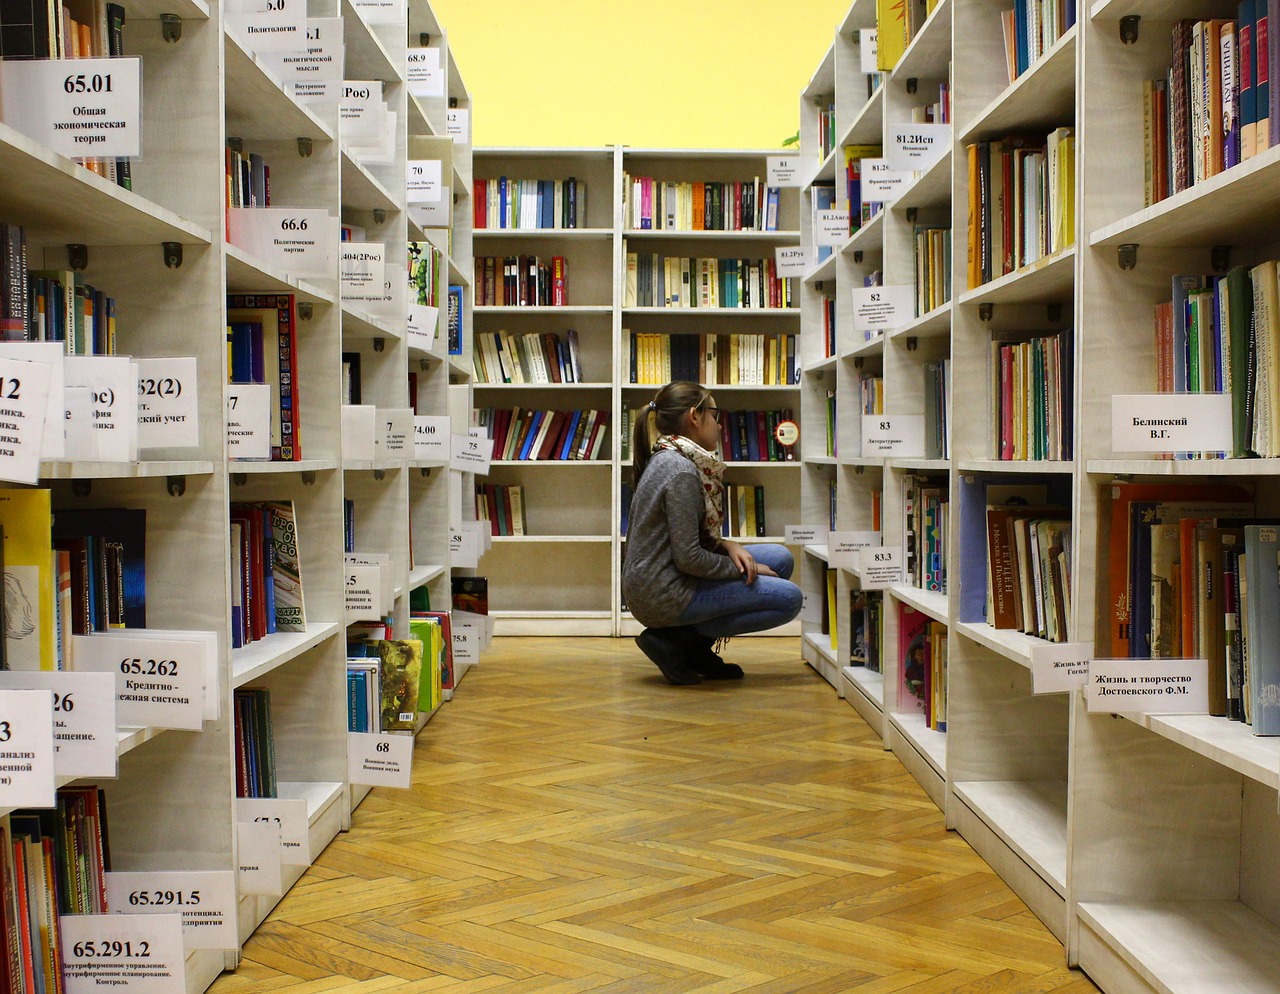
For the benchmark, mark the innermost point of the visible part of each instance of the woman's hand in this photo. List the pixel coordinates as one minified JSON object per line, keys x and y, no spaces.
{"x":745,"y":562}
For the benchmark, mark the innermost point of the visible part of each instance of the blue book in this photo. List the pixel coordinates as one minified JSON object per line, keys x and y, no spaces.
{"x":1021,"y":50}
{"x":575,"y":418}
{"x":503,"y":204}
{"x":1247,"y":70}
{"x":534,"y":424}
{"x":1262,"y":569}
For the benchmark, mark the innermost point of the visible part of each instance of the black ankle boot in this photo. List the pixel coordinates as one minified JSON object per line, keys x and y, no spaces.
{"x":704,"y":660}
{"x":668,"y":651}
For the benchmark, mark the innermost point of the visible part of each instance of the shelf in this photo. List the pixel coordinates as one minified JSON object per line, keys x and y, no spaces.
{"x":867,"y":462}
{"x":551,"y":539}
{"x":568,"y":234}
{"x":820,"y":460}
{"x":1228,"y":743}
{"x":420,"y":576}
{"x":931,"y":189}
{"x":706,"y":312}
{"x":372,"y":465}
{"x":259,"y":658}
{"x":357,"y":324}
{"x":481,"y":385}
{"x":364,"y":54}
{"x":428,"y":464}
{"x":873,"y":346}
{"x":933,"y":324}
{"x":267,"y":468}
{"x":1034,"y":467}
{"x":141,"y":470}
{"x":825,"y":270}
{"x":363,"y":191}
{"x":817,"y":551}
{"x":1197,"y":947}
{"x":1007,"y":642}
{"x":773,"y":237}
{"x":1156,"y":10}
{"x":928,"y":742}
{"x":1030,"y":817}
{"x":259,"y":108}
{"x":824,"y":365}
{"x":248,"y":274}
{"x":761,"y":464}
{"x":568,"y":309}
{"x":826,"y":171}
{"x":150,"y":10}
{"x":919,"y":465}
{"x":1042,"y":97}
{"x":567,"y":463}
{"x":60,"y":201}
{"x":867,"y":126}
{"x":929,"y":49}
{"x":815,"y":649}
{"x":1183,"y":467}
{"x":726,"y":388}
{"x":1238,"y":207}
{"x":823,"y":81}
{"x":930,"y":602}
{"x":867,"y":239}
{"x":1049,"y":279}
{"x":868,"y":683}
{"x":552,"y":623}
{"x":822,"y":643}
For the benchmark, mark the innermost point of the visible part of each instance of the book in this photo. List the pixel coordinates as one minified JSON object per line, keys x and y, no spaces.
{"x":401,"y":670}
{"x":29,"y":632}
{"x":276,"y":315}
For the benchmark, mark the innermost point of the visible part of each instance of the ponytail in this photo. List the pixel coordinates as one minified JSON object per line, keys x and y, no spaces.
{"x":662,"y":416}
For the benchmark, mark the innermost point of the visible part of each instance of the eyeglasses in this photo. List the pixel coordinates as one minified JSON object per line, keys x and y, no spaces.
{"x":715,"y":413}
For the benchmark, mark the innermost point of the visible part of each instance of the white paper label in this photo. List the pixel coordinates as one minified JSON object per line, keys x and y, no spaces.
{"x":900,"y":435}
{"x":362,"y":270}
{"x":917,"y":146}
{"x":457,"y":125}
{"x":76,"y":107}
{"x":880,"y":568}
{"x":379,"y":760}
{"x":24,"y":413}
{"x":361,"y":111}
{"x":1171,"y":422}
{"x":844,"y":549}
{"x":134,"y":952}
{"x":793,"y":260}
{"x":434,"y":215}
{"x":1148,"y":686}
{"x":423,"y":181}
{"x":290,"y":814}
{"x":159,"y":682}
{"x":464,"y":548}
{"x":26,"y":749}
{"x":426,"y":77}
{"x":102,"y":423}
{"x":805,"y":534}
{"x":299,"y":240}
{"x":424,"y":322}
{"x":471,"y":454}
{"x":168,"y":403}
{"x":208,"y":648}
{"x":248,"y":420}
{"x":387,"y":586}
{"x":882,"y":308}
{"x":811,"y":608}
{"x":466,"y":640}
{"x":867,"y":50}
{"x":831,"y":226}
{"x":882,"y":183}
{"x":431,"y":437}
{"x":363,"y":590}
{"x":396,"y":426}
{"x":50,"y":355}
{"x":84,"y":719}
{"x":205,"y":900}
{"x":315,"y":74}
{"x":380,"y":11}
{"x":269,"y":25}
{"x":783,"y":170}
{"x":258,"y":853}
{"x":1059,"y":667}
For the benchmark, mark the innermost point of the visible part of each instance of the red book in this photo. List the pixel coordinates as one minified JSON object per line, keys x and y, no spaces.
{"x":553,"y":437}
{"x":480,"y":194}
{"x":559,"y":281}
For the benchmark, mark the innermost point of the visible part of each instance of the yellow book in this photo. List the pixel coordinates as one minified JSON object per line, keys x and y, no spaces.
{"x":29,"y":636}
{"x":832,"y":613}
{"x":891,"y":33}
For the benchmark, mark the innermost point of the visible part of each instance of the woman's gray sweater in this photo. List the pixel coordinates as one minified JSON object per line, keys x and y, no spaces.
{"x":665,"y":558}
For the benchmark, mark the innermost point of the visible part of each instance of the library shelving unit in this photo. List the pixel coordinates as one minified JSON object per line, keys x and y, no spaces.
{"x":161,"y":251}
{"x":1172,"y":818}
{"x":777,"y":479}
{"x":568,"y":540}
{"x":579,"y":541}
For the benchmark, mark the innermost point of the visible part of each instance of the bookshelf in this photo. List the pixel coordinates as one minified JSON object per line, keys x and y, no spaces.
{"x":1146,"y":842}
{"x":581,"y":539}
{"x":200,"y":92}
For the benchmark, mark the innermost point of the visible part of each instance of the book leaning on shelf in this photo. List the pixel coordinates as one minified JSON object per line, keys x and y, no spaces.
{"x":529,"y":204}
{"x":932,"y":246}
{"x":53,"y":862}
{"x":266,"y":572}
{"x":650,"y":204}
{"x":255,"y":750}
{"x":1028,"y":562}
{"x":759,"y":360}
{"x":262,"y":348}
{"x":527,"y":434}
{"x":67,"y":29}
{"x":866,"y":627}
{"x":922,"y":666}
{"x":897,"y":24}
{"x":501,"y":506}
{"x":655,"y":280}
{"x":1031,"y":28}
{"x":859,"y":213}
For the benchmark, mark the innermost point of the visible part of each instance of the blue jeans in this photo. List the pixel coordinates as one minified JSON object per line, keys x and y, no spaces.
{"x":729,"y":607}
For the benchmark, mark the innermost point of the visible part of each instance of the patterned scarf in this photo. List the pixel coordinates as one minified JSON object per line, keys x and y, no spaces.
{"x":711,"y":472}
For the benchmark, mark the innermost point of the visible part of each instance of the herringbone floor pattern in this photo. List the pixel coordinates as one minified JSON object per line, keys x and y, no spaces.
{"x":577,"y":825}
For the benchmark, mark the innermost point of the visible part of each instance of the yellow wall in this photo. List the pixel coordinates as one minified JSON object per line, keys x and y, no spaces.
{"x":645,"y":73}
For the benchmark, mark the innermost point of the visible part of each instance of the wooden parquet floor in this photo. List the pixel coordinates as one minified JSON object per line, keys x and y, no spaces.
{"x":578,"y":825}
